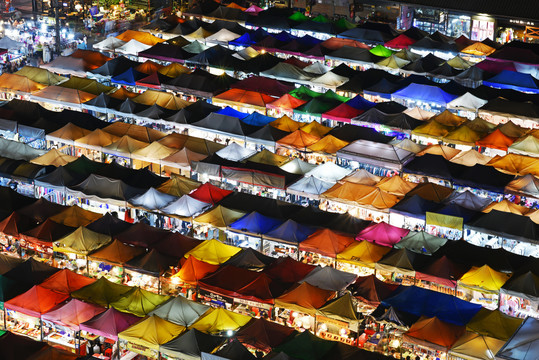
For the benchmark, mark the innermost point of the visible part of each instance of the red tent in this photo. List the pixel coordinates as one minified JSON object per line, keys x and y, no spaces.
{"x":288,"y":270}
{"x":382,"y":234}
{"x":442,"y":271}
{"x":45,"y":233}
{"x":286,"y":102}
{"x":434,"y":333}
{"x":370,"y":290}
{"x":342,"y":113}
{"x":400,"y":42}
{"x":73,"y":313}
{"x":209,"y":193}
{"x":193,"y":270}
{"x":264,"y":85}
{"x":66,"y":281}
{"x":326,"y":242}
{"x":296,"y":62}
{"x":496,"y":140}
{"x":36,"y":301}
{"x":304,"y":298}
{"x":263,"y":334}
{"x":16,"y":223}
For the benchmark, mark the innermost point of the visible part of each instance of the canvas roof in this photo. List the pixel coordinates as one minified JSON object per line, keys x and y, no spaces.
{"x":75,"y":216}
{"x":73,"y":313}
{"x":263,"y":334}
{"x":102,"y":292}
{"x":57,"y":94}
{"x":66,"y":281}
{"x":193,"y":270}
{"x":364,"y":253}
{"x":494,"y":323}
{"x":326,"y":242}
{"x":304,"y":298}
{"x":19,"y":83}
{"x":306,"y":346}
{"x":116,"y":253}
{"x":141,"y":36}
{"x":288,"y":270}
{"x":36,"y":301}
{"x":53,"y":157}
{"x":484,"y":278}
{"x":523,"y":344}
{"x":218,"y":320}
{"x":138,"y":302}
{"x":180,"y":310}
{"x":309,"y":186}
{"x":371,"y":290}
{"x":39,"y":75}
{"x":434,"y":333}
{"x":210,"y":193}
{"x":527,"y":185}
{"x":151,"y":332}
{"x":524,"y":285}
{"x":82,"y":242}
{"x":476,"y":347}
{"x":185,"y":207}
{"x":213,"y":252}
{"x":109,"y":323}
{"x":191,"y":345}
{"x":382,"y":233}
{"x":329,"y":278}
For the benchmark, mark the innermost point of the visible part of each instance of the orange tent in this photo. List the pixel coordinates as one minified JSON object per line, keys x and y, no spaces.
{"x":247,"y":97}
{"x":434,"y":333}
{"x":285,"y":123}
{"x":95,"y":58}
{"x":15,"y":223}
{"x":298,"y":139}
{"x":66,"y":281}
{"x":286,"y":102}
{"x":62,"y":95}
{"x":496,"y":140}
{"x":479,"y":49}
{"x":516,"y":164}
{"x":18,"y":83}
{"x":137,"y":132}
{"x":36,"y":301}
{"x":326,"y":242}
{"x":148,"y":67}
{"x":335,"y":43}
{"x":447,"y":118}
{"x":140,"y":36}
{"x":433,"y":129}
{"x":396,"y":185}
{"x":304,"y":298}
{"x":68,"y":132}
{"x":75,"y":216}
{"x":123,"y":94}
{"x":358,"y":194}
{"x":506,"y":206}
{"x":233,"y":5}
{"x":378,"y":199}
{"x":193,"y":270}
{"x":116,"y":253}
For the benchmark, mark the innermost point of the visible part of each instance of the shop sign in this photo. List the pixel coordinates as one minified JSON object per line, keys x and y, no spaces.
{"x":253,"y":303}
{"x":142,"y":350}
{"x":335,"y":337}
{"x":213,"y":297}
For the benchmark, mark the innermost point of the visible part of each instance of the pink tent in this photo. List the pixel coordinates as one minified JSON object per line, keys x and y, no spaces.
{"x":73,"y":313}
{"x":109,"y":323}
{"x":253,"y":10}
{"x":382,"y":234}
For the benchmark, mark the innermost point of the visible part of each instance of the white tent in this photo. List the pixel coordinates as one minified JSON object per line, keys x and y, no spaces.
{"x":329,"y":172}
{"x":297,"y":166}
{"x":133,"y":47}
{"x":363,"y":177}
{"x":408,"y":145}
{"x":467,"y":102}
{"x":329,"y":80}
{"x":235,"y":152}
{"x":109,"y":44}
{"x":419,"y":114}
{"x":310,"y":187}
{"x":328,"y":278}
{"x":152,"y":199}
{"x":317,"y":68}
{"x":222,"y":36}
{"x":186,"y":206}
{"x":18,"y":151}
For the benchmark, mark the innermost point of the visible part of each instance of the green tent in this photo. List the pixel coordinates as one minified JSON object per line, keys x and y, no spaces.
{"x":342,"y":308}
{"x":420,"y":242}
{"x":306,"y":346}
{"x":304,"y":93}
{"x":81,"y":242}
{"x":84,"y":166}
{"x":298,"y":16}
{"x":138,"y":302}
{"x":321,"y":19}
{"x":332,"y":95}
{"x":380,"y":50}
{"x":342,"y":24}
{"x":317,"y":107}
{"x":102,"y":292}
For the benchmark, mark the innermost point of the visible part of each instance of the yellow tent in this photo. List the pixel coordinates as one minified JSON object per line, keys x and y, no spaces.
{"x":470,"y":158}
{"x":447,"y":118}
{"x":96,"y":140}
{"x":125,"y":146}
{"x":69,"y":132}
{"x":494,"y":323}
{"x":463,"y":135}
{"x":178,"y":186}
{"x":267,"y":157}
{"x":63,"y":96}
{"x":472,"y":346}
{"x":396,"y":185}
{"x":515,"y":164}
{"x":528,"y":145}
{"x":81,"y":242}
{"x":347,"y":192}
{"x":219,"y":217}
{"x":75,"y":216}
{"x":122,"y":94}
{"x":146,"y":336}
{"x":432,"y":129}
{"x":39,"y":75}
{"x":153,"y":152}
{"x":213,"y":252}
{"x":315,"y":128}
{"x":479,"y":49}
{"x":163,"y":99}
{"x":378,"y":199}
{"x":506,"y":206}
{"x":393,"y":62}
{"x":89,"y":85}
{"x":459,"y":63}
{"x":446,"y":151}
{"x":483,"y":278}
{"x":13,"y":83}
{"x":139,"y":302}
{"x":53,"y":157}
{"x":137,"y":132}
{"x":329,"y":144}
{"x":218,"y":320}
{"x":174,"y":70}
{"x":285,"y":123}
{"x":199,"y":34}
{"x":363,"y":253}
{"x":140,"y":36}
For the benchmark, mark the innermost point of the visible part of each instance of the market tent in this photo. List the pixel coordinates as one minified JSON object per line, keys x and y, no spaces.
{"x":41,"y":210}
{"x":421,"y":242}
{"x":286,"y":102}
{"x":247,"y":98}
{"x":235,"y":152}
{"x":234,"y":350}
{"x":192,"y":270}
{"x":180,"y":310}
{"x":69,"y":132}
{"x":178,"y":185}
{"x":306,"y":346}
{"x":484,"y":278}
{"x":462,"y":135}
{"x":66,"y":281}
{"x":310,"y":187}
{"x":475,"y":347}
{"x":442,"y":271}
{"x":494,"y":323}
{"x":423,"y":302}
{"x":152,"y":199}
{"x":383,"y":234}
{"x":269,"y":158}
{"x":396,"y":185}
{"x":219,"y":217}
{"x":470,"y":158}
{"x":141,"y":36}
{"x":137,"y":132}
{"x":425,"y":93}
{"x":103,"y":189}
{"x":143,"y":235}
{"x":528,"y":146}
{"x":213,"y":252}
{"x":514,"y":80}
{"x":31,"y":272}
{"x":68,"y":65}
{"x":342,"y":308}
{"x":96,"y":140}
{"x":116,"y":253}
{"x":185,"y":207}
{"x":506,"y":206}
{"x":527,"y":185}
{"x":263,"y":334}
{"x":523,"y":345}
{"x":18,"y":84}
{"x":138,"y":302}
{"x":191,"y":345}
{"x":467,"y":200}
{"x":164,"y":99}
{"x":175,"y":245}
{"x":326,"y":242}
{"x":53,"y":157}
{"x":289,"y":232}
{"x":60,"y":95}
{"x":524,"y":285}
{"x":496,"y":140}
{"x":102,"y":292}
{"x":264,"y":85}
{"x":288,"y":270}
{"x":210,"y":193}
{"x":109,"y":323}
{"x":328,"y":278}
{"x":304,"y":298}
{"x":150,"y":333}
{"x":250,"y":259}
{"x":364,"y":253}
{"x":329,"y":172}
{"x":256,"y":223}
{"x":219,"y":320}
{"x":84,"y":84}
{"x":39,"y":75}
{"x":297,"y":166}
{"x":109,"y":44}
{"x":8,"y":262}
{"x":400,"y":42}
{"x":36,"y":301}
{"x":371,"y":290}
{"x":478,"y":49}
{"x":514,"y":164}
{"x":434,"y":333}
{"x":75,"y":216}
{"x":73,"y":313}
{"x":109,"y":225}
{"x":431,"y":191}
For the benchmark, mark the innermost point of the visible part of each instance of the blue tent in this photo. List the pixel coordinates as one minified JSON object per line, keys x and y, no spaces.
{"x":284,"y":37}
{"x":425,"y":93}
{"x":414,"y":206}
{"x":423,"y":302}
{"x":228,"y":111}
{"x":360,"y":103}
{"x":514,"y":80}
{"x":291,"y":232}
{"x":309,"y":40}
{"x":255,"y":223}
{"x":244,"y":40}
{"x":257,"y":119}
{"x":128,"y":77}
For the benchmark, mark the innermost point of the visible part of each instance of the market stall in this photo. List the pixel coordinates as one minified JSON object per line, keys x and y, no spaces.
{"x":110,"y":260}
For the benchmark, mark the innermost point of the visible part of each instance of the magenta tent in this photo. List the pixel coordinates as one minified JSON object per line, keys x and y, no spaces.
{"x":382,"y":234}
{"x":73,"y":313}
{"x":496,"y":67}
{"x":109,"y":323}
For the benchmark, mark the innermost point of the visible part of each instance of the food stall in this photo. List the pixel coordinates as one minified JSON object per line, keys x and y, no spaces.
{"x":145,"y":270}
{"x":110,"y":260}
{"x":481,"y":285}
{"x":338,"y":320}
{"x":322,"y":247}
{"x":360,"y":258}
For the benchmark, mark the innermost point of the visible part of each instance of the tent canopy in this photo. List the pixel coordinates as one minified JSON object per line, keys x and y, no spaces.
{"x":151,"y":332}
{"x":138,"y":302}
{"x":180,"y":310}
